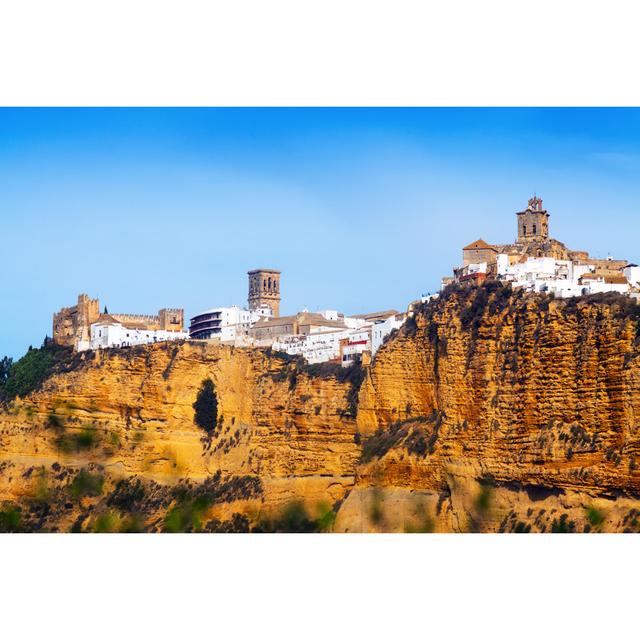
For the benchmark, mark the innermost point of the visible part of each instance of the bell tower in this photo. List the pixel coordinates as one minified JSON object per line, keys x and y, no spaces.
{"x":264,"y":289}
{"x":533,"y":222}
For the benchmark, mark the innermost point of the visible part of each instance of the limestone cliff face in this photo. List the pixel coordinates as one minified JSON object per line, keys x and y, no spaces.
{"x":507,"y":400}
{"x":488,"y":411}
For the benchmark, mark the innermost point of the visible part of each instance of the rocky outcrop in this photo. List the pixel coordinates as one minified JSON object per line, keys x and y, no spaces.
{"x":488,"y":411}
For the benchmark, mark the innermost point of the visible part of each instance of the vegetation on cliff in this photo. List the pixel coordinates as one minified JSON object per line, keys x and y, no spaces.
{"x":19,"y":379}
{"x":206,"y":407}
{"x":297,"y":366}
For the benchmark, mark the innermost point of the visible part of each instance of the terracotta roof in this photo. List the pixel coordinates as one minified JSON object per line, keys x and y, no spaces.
{"x":479,"y":244}
{"x":375,"y":315}
{"x":106,"y":318}
{"x":615,"y":280}
{"x":302,"y":318}
{"x":275,"y":322}
{"x":319,"y":320}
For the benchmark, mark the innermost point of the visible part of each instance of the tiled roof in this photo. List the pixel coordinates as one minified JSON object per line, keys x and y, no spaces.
{"x":375,"y":315}
{"x":479,"y":244}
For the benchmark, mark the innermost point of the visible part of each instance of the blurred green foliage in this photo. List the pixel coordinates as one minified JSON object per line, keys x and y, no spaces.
{"x":86,"y":484}
{"x":10,"y":518}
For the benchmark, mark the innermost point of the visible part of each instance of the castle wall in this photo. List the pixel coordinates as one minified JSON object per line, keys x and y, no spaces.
{"x":72,"y":325}
{"x":171,"y":319}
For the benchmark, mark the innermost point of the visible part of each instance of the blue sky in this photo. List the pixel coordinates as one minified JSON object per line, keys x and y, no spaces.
{"x":361,"y":209}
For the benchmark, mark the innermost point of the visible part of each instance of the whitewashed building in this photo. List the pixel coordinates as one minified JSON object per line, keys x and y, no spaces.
{"x":354,"y":345}
{"x":226,"y":324}
{"x":323,"y":346}
{"x":563,"y":278}
{"x":108,"y":332}
{"x":381,"y":329}
{"x":632,"y":274}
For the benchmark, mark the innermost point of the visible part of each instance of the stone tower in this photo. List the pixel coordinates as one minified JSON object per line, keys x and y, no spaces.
{"x":533,"y":222}
{"x":264,"y":288}
{"x":72,"y":325}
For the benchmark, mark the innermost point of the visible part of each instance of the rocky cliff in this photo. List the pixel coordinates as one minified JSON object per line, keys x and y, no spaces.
{"x":488,"y":411}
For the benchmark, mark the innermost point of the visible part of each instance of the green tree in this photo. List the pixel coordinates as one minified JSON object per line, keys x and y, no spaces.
{"x":206,"y":407}
{"x":5,"y":369}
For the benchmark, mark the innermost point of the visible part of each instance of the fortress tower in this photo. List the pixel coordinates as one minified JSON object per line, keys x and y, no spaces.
{"x":72,"y":325}
{"x":264,"y":288}
{"x":533,"y":222}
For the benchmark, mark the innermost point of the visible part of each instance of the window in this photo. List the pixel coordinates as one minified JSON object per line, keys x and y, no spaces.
{"x":534,"y":229}
{"x":524,"y":229}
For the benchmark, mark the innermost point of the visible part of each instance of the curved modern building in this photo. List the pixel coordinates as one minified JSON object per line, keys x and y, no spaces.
{"x":222,"y":322}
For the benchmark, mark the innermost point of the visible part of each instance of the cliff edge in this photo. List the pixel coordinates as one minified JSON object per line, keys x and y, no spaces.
{"x":489,"y":410}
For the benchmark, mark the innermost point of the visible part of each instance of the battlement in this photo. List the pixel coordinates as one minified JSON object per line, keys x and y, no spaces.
{"x":72,"y":325}
{"x":136,"y":317}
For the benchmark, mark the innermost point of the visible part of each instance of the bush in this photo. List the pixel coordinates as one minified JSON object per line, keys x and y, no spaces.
{"x":595,"y":517}
{"x":86,"y":484}
{"x":68,"y":442}
{"x":206,"y":407}
{"x":187,"y":515}
{"x":10,"y":519}
{"x":128,"y":495}
{"x":237,"y":524}
{"x":294,"y":518}
{"x":417,"y":435}
{"x":5,"y":368}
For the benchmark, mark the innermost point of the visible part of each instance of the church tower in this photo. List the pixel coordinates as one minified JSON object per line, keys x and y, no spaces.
{"x":533,"y":222}
{"x":264,"y":289}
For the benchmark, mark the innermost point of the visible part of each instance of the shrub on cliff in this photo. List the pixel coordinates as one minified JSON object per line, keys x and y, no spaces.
{"x":10,"y":519}
{"x":86,"y":484}
{"x":27,"y":374}
{"x":295,"y":518}
{"x":206,"y":407}
{"x":5,"y":368}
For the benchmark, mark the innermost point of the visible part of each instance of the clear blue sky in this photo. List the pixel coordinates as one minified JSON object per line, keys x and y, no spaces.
{"x":361,"y":209}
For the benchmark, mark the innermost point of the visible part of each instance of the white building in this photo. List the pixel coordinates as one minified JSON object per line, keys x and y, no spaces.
{"x":108,"y":333}
{"x":595,"y":283}
{"x":344,"y":344}
{"x":226,"y":324}
{"x":381,"y":329}
{"x":563,"y":278}
{"x":632,"y":273}
{"x":354,"y":345}
{"x":322,"y":346}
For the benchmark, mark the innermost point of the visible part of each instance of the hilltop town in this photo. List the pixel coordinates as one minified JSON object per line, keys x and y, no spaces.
{"x":539,"y":263}
{"x":535,"y":262}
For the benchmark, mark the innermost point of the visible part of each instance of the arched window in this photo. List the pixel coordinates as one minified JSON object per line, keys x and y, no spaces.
{"x":534,"y":229}
{"x":524,"y":229}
